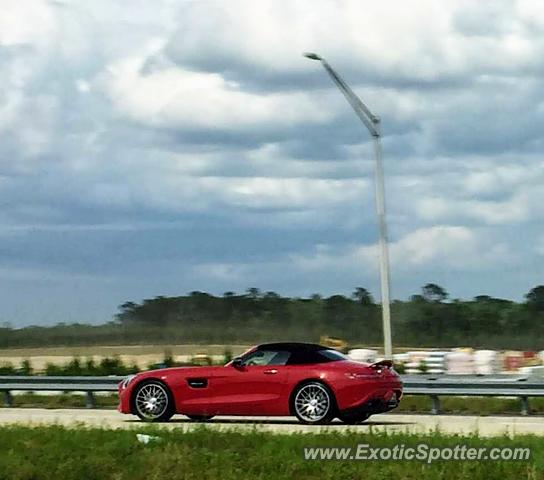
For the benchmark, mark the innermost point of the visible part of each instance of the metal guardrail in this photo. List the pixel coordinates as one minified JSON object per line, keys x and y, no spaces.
{"x":522,"y":387}
{"x":434,"y":386}
{"x":88,"y":385}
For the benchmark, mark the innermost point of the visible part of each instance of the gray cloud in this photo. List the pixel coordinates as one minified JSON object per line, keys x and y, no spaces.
{"x":173,"y":146}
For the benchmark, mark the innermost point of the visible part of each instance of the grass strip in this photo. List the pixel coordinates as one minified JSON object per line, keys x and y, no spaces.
{"x":52,"y":453}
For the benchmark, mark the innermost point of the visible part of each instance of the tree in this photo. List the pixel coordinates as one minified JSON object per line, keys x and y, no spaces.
{"x":338,"y":310}
{"x":363,"y":296}
{"x":434,"y":293}
{"x":535,"y":298}
{"x":272,"y":296}
{"x":253,"y":293}
{"x":127,"y":312}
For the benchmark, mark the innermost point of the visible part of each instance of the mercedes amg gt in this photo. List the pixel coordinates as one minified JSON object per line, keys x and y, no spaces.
{"x":312,"y":382}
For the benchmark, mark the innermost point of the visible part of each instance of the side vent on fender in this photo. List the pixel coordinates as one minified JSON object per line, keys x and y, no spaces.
{"x":197,"y":382}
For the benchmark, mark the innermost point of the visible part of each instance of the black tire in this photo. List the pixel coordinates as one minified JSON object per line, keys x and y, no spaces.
{"x":353,"y":418}
{"x":200,"y":418}
{"x":152,"y":401}
{"x":311,"y":394}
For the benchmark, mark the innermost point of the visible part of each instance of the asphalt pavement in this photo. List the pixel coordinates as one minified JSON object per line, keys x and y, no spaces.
{"x":447,"y":424}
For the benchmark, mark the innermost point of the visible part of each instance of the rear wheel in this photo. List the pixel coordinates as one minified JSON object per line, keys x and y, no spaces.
{"x":200,"y":418}
{"x":314,"y":403}
{"x":353,"y":418}
{"x":153,"y":402}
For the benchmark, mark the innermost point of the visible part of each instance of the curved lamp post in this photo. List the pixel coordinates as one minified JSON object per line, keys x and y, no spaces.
{"x":372,"y":123}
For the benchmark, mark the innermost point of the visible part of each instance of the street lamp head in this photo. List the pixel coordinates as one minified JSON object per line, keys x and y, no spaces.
{"x":312,"y":56}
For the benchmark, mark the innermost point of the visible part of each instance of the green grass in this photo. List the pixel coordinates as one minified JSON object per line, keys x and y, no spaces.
{"x":84,"y":453}
{"x":409,"y":404}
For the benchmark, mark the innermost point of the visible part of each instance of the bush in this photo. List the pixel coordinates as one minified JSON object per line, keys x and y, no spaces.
{"x":90,"y":367}
{"x":113,"y":366}
{"x":7,"y":369}
{"x":168,"y":360}
{"x":53,"y":370}
{"x":227,"y":354}
{"x":399,"y":367}
{"x":26,"y":368}
{"x":75,"y":367}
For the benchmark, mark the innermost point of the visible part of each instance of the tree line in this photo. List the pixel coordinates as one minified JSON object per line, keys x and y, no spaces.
{"x":427,"y":319}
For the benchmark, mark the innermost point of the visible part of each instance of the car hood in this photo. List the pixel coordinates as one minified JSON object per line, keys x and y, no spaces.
{"x":185,"y":371}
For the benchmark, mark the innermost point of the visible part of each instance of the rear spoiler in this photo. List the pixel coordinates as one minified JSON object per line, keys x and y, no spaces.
{"x":382,"y":364}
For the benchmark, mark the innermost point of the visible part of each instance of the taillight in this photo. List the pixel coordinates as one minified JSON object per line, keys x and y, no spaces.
{"x":359,"y":376}
{"x":382,"y":365}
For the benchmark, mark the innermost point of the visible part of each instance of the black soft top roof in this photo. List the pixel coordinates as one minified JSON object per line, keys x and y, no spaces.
{"x":292,"y":347}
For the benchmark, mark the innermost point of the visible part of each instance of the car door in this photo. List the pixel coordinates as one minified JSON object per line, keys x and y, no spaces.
{"x":254,"y":388}
{"x":193,"y":389}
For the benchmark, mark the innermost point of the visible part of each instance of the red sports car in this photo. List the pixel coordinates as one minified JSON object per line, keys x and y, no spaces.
{"x":310,"y":381}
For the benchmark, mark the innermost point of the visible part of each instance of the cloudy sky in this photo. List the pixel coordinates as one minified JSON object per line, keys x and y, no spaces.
{"x":159,"y":147}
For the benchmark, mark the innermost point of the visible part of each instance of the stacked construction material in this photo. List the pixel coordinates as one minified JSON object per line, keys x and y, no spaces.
{"x":401,"y":358}
{"x":513,"y":361}
{"x":460,"y":361}
{"x":416,"y":362}
{"x":364,"y":355}
{"x":425,"y":362}
{"x":530,"y":358}
{"x":486,"y":362}
{"x":435,"y":362}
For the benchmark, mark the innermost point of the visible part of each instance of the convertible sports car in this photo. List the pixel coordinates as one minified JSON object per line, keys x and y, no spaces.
{"x":310,"y":381}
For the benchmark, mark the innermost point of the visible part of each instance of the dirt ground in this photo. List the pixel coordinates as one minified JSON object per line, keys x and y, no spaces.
{"x":142,"y":355}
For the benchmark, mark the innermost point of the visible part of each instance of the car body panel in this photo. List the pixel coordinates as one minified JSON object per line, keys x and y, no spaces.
{"x":246,"y":390}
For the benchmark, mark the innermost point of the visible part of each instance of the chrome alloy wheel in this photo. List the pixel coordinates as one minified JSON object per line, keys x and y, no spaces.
{"x":151,"y":401}
{"x":312,"y":402}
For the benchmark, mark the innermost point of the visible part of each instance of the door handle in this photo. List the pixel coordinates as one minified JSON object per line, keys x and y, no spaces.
{"x":272,"y":371}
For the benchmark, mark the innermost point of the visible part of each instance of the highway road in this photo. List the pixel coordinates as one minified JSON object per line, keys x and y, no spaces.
{"x":448,"y":424}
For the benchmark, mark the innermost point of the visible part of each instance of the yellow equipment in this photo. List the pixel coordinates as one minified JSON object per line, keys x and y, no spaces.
{"x":331,"y":342}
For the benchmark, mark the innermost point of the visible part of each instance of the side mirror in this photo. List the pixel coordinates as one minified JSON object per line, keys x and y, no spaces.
{"x":237,"y":362}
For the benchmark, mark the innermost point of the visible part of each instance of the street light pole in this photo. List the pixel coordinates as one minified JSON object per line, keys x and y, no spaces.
{"x":372,"y":123}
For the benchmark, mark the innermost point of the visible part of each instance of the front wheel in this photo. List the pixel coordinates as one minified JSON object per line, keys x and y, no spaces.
{"x":353,"y":418}
{"x":314,"y":403}
{"x":153,"y":402}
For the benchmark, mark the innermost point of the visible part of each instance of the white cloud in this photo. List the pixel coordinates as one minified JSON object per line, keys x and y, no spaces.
{"x":388,"y":36}
{"x":512,"y":211}
{"x":432,"y":249}
{"x":120,"y":123}
{"x":173,"y":98}
{"x":198,"y":193}
{"x":446,"y":246}
{"x":37,"y":28}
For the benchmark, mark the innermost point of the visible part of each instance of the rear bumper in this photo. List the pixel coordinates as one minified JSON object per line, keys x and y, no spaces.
{"x":376,"y":405}
{"x":381,"y":398}
{"x":352,"y":394}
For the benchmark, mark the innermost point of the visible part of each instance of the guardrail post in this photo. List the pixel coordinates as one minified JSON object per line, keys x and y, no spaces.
{"x":525,"y":410}
{"x":8,"y":399}
{"x":89,"y":402}
{"x":435,"y":410}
